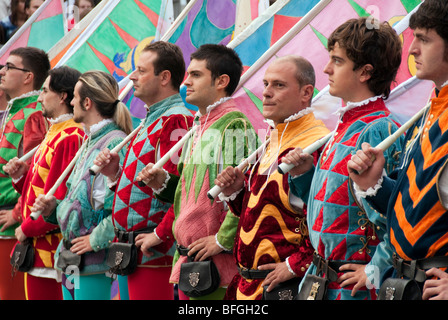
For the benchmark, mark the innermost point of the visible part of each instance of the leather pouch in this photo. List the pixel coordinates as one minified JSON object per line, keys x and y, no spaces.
{"x":122,"y":258}
{"x":287,"y":290}
{"x":198,"y":278}
{"x":22,"y":258}
{"x":399,"y":289}
{"x":313,"y":288}
{"x":67,"y":258}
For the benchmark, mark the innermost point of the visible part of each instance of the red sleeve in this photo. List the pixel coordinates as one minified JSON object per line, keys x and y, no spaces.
{"x":36,"y":127}
{"x":165,"y":228}
{"x":175,"y":126}
{"x":64,"y":153}
{"x":173,"y":129}
{"x":300,"y":261}
{"x":17,"y":210}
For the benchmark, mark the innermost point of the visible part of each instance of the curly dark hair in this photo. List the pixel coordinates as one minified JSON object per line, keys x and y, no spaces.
{"x":374,"y":44}
{"x":432,"y":14}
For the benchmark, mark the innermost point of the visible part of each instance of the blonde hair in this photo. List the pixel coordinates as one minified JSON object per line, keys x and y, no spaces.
{"x":103,"y":90}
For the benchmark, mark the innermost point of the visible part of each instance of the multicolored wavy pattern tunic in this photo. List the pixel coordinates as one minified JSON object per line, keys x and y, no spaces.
{"x":136,"y":207}
{"x":340,"y":229}
{"x":270,"y":229}
{"x":54,"y":154}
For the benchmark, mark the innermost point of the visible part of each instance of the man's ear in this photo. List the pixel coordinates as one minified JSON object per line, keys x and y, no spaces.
{"x":307,"y":93}
{"x":87,"y":103}
{"x":165,"y":77}
{"x":63,"y":97}
{"x":222,"y":81}
{"x":29,"y":78}
{"x":366,"y":73}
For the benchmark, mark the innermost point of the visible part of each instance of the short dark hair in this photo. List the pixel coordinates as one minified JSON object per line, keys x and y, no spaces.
{"x":63,"y":80}
{"x":35,"y":60}
{"x":378,"y":45}
{"x":171,"y":58}
{"x":432,"y":14}
{"x":221,"y":60}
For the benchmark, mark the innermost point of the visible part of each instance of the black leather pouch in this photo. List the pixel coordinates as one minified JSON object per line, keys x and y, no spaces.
{"x":399,"y":289}
{"x":122,"y":258}
{"x":198,"y":278}
{"x":313,"y":288}
{"x":22,"y":258}
{"x":287,"y":290}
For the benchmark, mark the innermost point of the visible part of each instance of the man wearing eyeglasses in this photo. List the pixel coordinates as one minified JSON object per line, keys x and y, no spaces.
{"x":23,"y":128}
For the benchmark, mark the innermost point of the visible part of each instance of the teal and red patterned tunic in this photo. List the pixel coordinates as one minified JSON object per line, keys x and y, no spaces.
{"x":135,"y":207}
{"x":341,"y":228}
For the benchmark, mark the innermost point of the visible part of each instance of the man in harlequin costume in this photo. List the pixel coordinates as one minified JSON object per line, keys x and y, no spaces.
{"x":348,"y":237}
{"x":415,"y":195}
{"x":157,"y":79}
{"x":203,"y":227}
{"x":62,"y":141}
{"x":84,"y":215}
{"x":272,"y":243}
{"x":23,"y":128}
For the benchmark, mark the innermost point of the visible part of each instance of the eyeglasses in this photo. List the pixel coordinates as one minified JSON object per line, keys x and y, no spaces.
{"x":9,"y":67}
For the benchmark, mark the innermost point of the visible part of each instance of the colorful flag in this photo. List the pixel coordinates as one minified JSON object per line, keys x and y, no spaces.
{"x":111,"y":42}
{"x":60,"y":48}
{"x":269,"y":27}
{"x":308,"y":38}
{"x":42,"y":30}
{"x":246,"y":12}
{"x":201,"y":22}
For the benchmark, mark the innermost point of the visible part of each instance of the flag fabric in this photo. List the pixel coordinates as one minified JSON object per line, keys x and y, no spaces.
{"x":201,"y":22}
{"x":42,"y":30}
{"x":269,"y":27}
{"x":308,"y":38}
{"x":60,"y":48}
{"x":246,"y":12}
{"x":217,"y":17}
{"x":111,"y":41}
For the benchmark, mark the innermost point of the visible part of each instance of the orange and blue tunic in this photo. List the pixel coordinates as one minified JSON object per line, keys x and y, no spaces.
{"x":270,"y":229}
{"x":417,"y":219}
{"x":342,"y":229}
{"x":55,"y":153}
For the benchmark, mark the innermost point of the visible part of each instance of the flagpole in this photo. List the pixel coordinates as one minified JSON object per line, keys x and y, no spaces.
{"x":279,"y":44}
{"x":161,"y":162}
{"x":284,"y":168}
{"x":386,"y":143}
{"x":178,"y":21}
{"x":95,"y":169}
{"x":216,"y":190}
{"x":36,"y":214}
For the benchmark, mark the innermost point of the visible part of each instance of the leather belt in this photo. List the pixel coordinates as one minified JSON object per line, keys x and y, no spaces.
{"x":129,"y":236}
{"x":252,"y":273}
{"x":329,"y":267}
{"x":416,"y":269}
